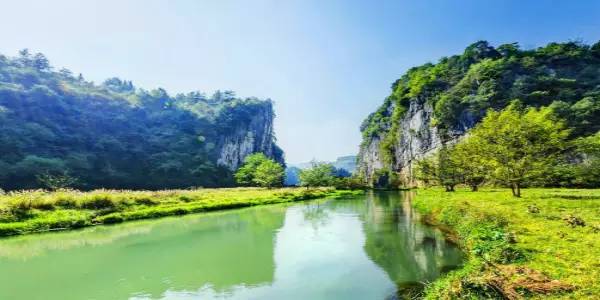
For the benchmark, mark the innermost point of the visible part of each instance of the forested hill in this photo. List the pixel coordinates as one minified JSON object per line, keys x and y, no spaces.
{"x":438,"y":102}
{"x":58,"y":126}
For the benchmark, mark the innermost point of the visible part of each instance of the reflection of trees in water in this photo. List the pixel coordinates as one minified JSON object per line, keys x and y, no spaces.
{"x":407,"y":250}
{"x":316,"y":213}
{"x":220,"y":250}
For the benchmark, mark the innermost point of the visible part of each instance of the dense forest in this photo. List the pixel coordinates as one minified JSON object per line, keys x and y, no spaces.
{"x":58,"y":129}
{"x":459,"y":90}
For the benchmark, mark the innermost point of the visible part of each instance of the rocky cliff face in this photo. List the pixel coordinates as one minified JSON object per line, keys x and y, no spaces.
{"x":418,"y":137}
{"x":437,"y":103}
{"x":255,"y":135}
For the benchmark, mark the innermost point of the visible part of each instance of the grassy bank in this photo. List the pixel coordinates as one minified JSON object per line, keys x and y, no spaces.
{"x":545,"y":245}
{"x":38,"y":211}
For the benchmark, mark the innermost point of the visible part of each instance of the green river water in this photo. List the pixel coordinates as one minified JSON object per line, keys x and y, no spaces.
{"x":364,"y":247}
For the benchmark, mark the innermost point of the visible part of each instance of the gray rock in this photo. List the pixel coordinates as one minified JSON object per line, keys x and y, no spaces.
{"x":418,"y":138}
{"x":247,"y":138}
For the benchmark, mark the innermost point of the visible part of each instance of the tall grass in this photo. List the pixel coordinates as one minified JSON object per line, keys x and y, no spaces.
{"x":39,"y":210}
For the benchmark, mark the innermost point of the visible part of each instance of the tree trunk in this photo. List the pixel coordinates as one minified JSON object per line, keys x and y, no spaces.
{"x":449,"y":188}
{"x":474,"y":188}
{"x":516,"y":189}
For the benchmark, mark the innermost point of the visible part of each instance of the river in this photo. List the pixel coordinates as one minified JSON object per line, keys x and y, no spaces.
{"x":361,"y":247}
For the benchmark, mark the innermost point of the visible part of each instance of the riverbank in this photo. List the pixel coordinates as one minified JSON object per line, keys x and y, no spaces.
{"x":27,"y":212}
{"x":543,"y":245}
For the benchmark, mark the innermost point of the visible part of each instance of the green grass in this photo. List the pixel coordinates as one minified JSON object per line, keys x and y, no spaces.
{"x":532,"y":247}
{"x":26,"y":212}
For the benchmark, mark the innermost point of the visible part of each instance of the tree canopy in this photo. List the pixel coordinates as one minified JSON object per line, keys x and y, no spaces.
{"x":521,"y":145}
{"x":259,"y":170}
{"x":113,"y":134}
{"x":319,"y":174}
{"x":512,"y":147}
{"x":462,"y":88}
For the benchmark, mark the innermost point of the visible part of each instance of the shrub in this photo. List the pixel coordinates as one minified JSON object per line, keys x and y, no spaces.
{"x":147,"y":201}
{"x":111,"y":219}
{"x":97,"y":201}
{"x":11,"y":228}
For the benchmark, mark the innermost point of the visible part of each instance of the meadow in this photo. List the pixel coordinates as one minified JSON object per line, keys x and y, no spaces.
{"x":24,"y":212}
{"x":545,"y":245}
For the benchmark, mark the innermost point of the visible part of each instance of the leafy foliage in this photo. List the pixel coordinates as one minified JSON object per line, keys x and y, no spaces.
{"x":462,"y":88}
{"x":245,"y":174}
{"x":442,"y":169}
{"x":587,"y":172}
{"x":113,"y":134}
{"x":269,"y":174}
{"x":521,"y":146}
{"x":514,"y":147}
{"x":320,"y":174}
{"x":471,"y":162}
{"x":259,"y":170}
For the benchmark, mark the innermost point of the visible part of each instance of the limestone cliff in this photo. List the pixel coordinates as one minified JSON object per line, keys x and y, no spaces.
{"x":254,"y":134}
{"x":437,"y":103}
{"x":418,"y":137}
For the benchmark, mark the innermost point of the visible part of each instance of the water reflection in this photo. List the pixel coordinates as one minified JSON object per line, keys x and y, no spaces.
{"x":359,"y":248}
{"x":407,"y":250}
{"x":144,"y":259}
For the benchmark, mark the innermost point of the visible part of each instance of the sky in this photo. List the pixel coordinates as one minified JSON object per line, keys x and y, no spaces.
{"x":325,"y":64}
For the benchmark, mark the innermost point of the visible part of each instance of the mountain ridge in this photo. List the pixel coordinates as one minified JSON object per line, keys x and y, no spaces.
{"x":435,"y":104}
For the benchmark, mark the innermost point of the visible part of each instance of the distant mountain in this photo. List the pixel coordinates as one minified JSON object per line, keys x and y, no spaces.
{"x":115,"y":135}
{"x":347,"y":163}
{"x":344,"y":165}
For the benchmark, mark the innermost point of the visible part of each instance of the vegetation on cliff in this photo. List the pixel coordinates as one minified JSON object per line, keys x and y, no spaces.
{"x":58,"y":128}
{"x":462,"y":88}
{"x":543,"y":246}
{"x":515,"y":147}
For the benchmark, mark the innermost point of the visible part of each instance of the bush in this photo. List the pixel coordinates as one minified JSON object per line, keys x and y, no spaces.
{"x":66,"y":201}
{"x":7,"y":229}
{"x":111,"y":219}
{"x":147,"y":201}
{"x":97,"y":201}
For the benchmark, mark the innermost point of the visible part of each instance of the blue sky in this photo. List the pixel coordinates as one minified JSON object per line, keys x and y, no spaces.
{"x":326,"y":64}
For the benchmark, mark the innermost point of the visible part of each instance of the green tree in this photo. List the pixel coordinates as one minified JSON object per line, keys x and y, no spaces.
{"x":426,"y":171}
{"x":448,"y":172}
{"x":587,"y":172}
{"x":521,"y":145}
{"x":245,"y":174}
{"x":320,"y":174}
{"x":131,"y":139}
{"x":269,"y":174}
{"x":472,"y":166}
{"x":259,"y":170}
{"x":440,"y":168}
{"x":348,"y":183}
